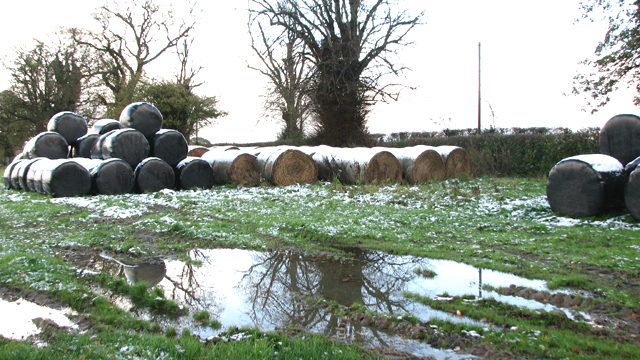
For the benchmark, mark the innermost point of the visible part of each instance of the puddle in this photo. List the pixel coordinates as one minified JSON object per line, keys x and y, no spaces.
{"x":267,"y":290}
{"x":17,"y":318}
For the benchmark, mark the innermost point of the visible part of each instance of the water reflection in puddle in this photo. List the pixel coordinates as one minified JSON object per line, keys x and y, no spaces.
{"x":268,"y":290}
{"x":17,"y":318}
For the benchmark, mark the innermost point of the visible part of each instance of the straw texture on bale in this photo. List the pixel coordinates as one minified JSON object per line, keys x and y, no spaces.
{"x":285,"y":166}
{"x":233,"y":166}
{"x":580,"y":187}
{"x":68,"y":124}
{"x":82,"y":147}
{"x":143,"y":117}
{"x":47,"y":144}
{"x":420,"y":163}
{"x":169,"y":145}
{"x":103,"y":126}
{"x":127,"y":144}
{"x":456,"y":160}
{"x":194,"y":172}
{"x":620,"y":138}
{"x":65,"y":178}
{"x":366,"y":165}
{"x":154,"y":174}
{"x":196,"y":150}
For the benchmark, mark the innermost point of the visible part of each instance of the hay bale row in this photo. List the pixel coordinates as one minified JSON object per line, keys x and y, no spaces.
{"x":284,"y":166}
{"x":232,"y":166}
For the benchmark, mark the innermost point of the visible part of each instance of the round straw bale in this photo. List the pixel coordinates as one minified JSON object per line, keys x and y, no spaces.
{"x":197,"y":150}
{"x":65,"y":178}
{"x":620,"y":138}
{"x":103,"y":126}
{"x":383,"y":166}
{"x":233,"y":166}
{"x":284,"y":167}
{"x":127,"y":144}
{"x":47,"y":144}
{"x":586,"y":185}
{"x":7,"y":173}
{"x":154,"y":174}
{"x":112,"y":177}
{"x":194,"y":172}
{"x":68,"y":124}
{"x":324,"y":159}
{"x":169,"y":145}
{"x":420,"y":163}
{"x":82,"y":147}
{"x":143,"y":117}
{"x":456,"y":160}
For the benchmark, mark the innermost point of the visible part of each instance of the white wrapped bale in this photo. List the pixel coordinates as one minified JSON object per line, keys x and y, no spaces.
{"x":7,"y":173}
{"x":586,"y":185}
{"x":47,"y":144}
{"x":143,"y":117}
{"x":620,"y":138}
{"x":194,"y":172}
{"x":28,"y":180}
{"x":103,"y":126}
{"x":154,"y":174}
{"x":64,"y":178}
{"x":232,"y":166}
{"x":285,"y":166}
{"x":169,"y":145}
{"x":456,"y":160}
{"x":68,"y":124}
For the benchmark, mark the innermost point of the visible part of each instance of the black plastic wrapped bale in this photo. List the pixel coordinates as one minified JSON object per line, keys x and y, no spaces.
{"x":19,"y":174}
{"x":586,"y":185}
{"x":112,"y":177}
{"x":68,"y":124}
{"x":7,"y":173}
{"x":154,"y":174}
{"x":65,"y":178}
{"x":170,"y":146}
{"x":620,"y":138}
{"x":632,"y":189}
{"x":47,"y":144}
{"x":143,"y":117}
{"x":28,"y":177}
{"x":96,"y":149}
{"x":82,"y":147}
{"x":194,"y":172}
{"x":127,"y":144}
{"x":103,"y":126}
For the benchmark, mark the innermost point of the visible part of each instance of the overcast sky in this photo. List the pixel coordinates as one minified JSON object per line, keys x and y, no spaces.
{"x":530,"y":53}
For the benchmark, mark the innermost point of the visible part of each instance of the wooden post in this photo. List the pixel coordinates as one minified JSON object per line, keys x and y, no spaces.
{"x":479,"y":98}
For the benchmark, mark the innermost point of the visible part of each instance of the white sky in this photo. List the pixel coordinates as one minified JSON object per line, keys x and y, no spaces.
{"x":530,"y":54}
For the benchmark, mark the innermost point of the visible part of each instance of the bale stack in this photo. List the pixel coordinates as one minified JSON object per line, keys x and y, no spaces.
{"x":129,"y":145}
{"x":46,"y":144}
{"x":322,"y":155}
{"x":82,"y":147}
{"x":232,"y":166}
{"x":456,"y":161}
{"x":586,"y":185}
{"x":620,"y":138}
{"x":284,"y":166}
{"x":153,"y":174}
{"x":68,"y":124}
{"x":420,"y":163}
{"x":353,"y":165}
{"x":64,"y":178}
{"x":143,"y":117}
{"x":103,"y":126}
{"x":169,"y":145}
{"x":194,"y":172}
{"x":6,"y":176}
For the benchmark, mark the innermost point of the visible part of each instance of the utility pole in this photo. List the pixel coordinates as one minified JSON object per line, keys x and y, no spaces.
{"x":479,"y":98}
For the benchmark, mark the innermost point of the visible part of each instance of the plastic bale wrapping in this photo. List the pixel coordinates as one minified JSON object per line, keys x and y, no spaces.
{"x":197,"y":150}
{"x":47,"y":144}
{"x":103,"y":126}
{"x":154,"y":174}
{"x":456,"y":160}
{"x":286,"y":166}
{"x":232,"y":166}
{"x":28,"y":174}
{"x":632,"y":189}
{"x":194,"y":172}
{"x":68,"y":124}
{"x":169,"y":145}
{"x":7,"y":173}
{"x":19,"y":174}
{"x":112,"y":177}
{"x":143,"y":117}
{"x":586,"y":185}
{"x":127,"y":144}
{"x":323,"y":157}
{"x":366,"y":165}
{"x":82,"y":147}
{"x":420,"y":163}
{"x":65,"y":178}
{"x":620,"y":138}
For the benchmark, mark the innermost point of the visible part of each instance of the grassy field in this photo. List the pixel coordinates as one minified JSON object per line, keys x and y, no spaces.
{"x":502,"y":224}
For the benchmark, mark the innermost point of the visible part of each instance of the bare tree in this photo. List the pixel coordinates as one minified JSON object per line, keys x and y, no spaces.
{"x":351,"y":43}
{"x":132,"y":34}
{"x":285,"y":63}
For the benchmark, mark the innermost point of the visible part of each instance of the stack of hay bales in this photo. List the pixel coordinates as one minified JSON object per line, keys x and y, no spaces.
{"x":232,"y":165}
{"x":284,"y":166}
{"x":592,"y":184}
